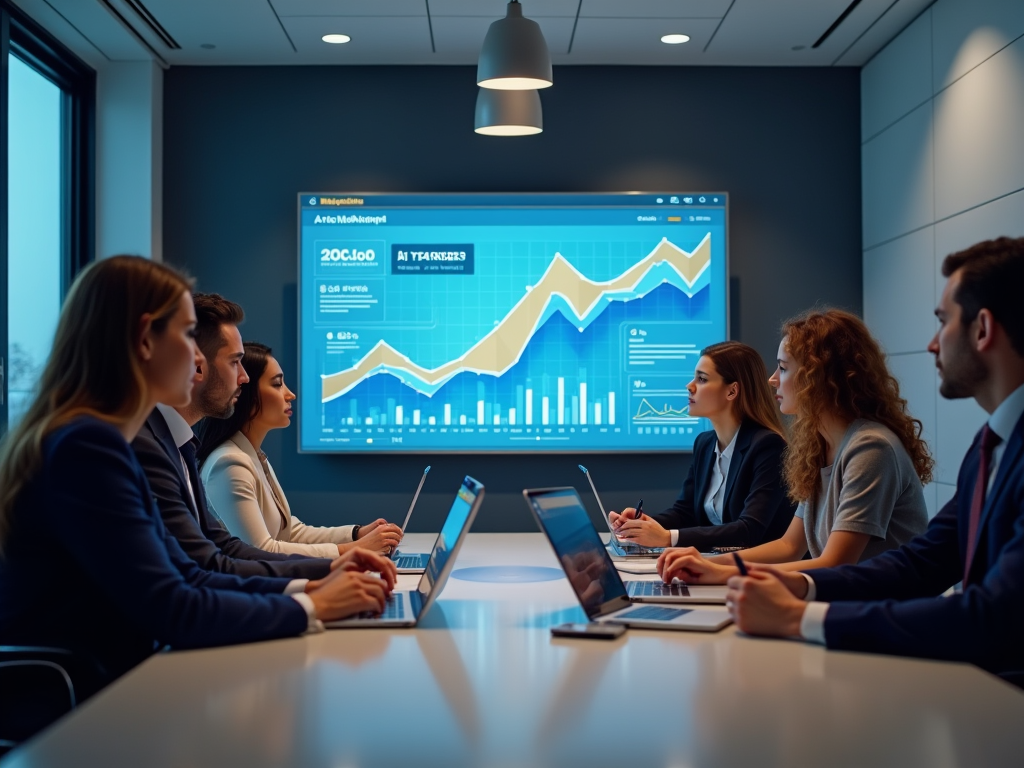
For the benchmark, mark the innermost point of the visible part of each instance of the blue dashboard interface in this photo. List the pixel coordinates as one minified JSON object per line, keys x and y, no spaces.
{"x":506,"y":322}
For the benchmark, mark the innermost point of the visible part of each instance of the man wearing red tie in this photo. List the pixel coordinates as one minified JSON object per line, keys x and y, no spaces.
{"x":893,"y":603}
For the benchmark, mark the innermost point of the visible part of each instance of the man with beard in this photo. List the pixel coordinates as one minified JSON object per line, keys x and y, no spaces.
{"x":166,"y":449}
{"x":894,"y":603}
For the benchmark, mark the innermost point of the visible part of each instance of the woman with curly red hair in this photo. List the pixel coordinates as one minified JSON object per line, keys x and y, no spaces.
{"x":855,"y":465}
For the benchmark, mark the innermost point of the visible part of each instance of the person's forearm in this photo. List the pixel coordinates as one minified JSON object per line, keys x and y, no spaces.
{"x":778,"y":551}
{"x":807,"y":565}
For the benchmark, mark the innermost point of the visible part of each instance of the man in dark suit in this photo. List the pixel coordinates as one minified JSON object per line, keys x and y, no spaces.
{"x":894,"y":603}
{"x":166,"y":449}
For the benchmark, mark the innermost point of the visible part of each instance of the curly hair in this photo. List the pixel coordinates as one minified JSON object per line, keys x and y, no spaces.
{"x":841,"y":371}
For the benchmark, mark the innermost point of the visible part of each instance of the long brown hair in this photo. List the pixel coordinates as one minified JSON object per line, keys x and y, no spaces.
{"x":740,"y":364}
{"x":841,"y":371}
{"x":93,"y":368}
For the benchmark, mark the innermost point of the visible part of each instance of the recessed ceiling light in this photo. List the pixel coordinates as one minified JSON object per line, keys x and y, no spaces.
{"x":675,"y":39}
{"x":336,"y":39}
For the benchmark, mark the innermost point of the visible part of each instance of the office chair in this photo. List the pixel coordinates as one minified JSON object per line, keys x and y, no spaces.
{"x":38,"y":685}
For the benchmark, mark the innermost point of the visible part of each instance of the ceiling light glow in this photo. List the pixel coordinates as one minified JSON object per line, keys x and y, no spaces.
{"x":336,"y":39}
{"x":675,"y":39}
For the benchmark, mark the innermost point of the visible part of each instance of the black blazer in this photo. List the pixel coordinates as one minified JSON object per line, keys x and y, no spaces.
{"x":904,"y":612}
{"x":88,"y":564}
{"x":203,"y":537}
{"x":755,"y":508}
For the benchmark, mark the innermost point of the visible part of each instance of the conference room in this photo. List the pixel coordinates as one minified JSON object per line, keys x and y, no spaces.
{"x":536,"y":277}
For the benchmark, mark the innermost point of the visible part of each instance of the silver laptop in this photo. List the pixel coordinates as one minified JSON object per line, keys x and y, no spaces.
{"x":405,"y":609}
{"x":560,"y":514}
{"x":415,"y":562}
{"x":619,"y":548}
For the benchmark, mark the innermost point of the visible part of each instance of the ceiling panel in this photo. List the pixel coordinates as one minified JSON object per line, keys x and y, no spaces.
{"x":655,"y":9}
{"x":394,"y":40}
{"x":238,"y":37}
{"x":349,"y":7}
{"x":638,"y":41}
{"x":751,"y":32}
{"x":887,"y":26}
{"x":495,"y":9}
{"x":461,"y":37}
{"x":101,"y":28}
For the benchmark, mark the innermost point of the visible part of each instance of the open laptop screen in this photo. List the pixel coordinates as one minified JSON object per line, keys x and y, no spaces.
{"x":449,"y":536}
{"x":580,"y":550}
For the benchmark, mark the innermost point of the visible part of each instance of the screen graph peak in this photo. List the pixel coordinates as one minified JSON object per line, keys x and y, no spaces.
{"x":562,"y":288}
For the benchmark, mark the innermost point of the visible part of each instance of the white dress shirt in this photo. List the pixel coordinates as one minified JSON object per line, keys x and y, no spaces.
{"x":181,"y":433}
{"x":1002,"y":421}
{"x":716,"y":489}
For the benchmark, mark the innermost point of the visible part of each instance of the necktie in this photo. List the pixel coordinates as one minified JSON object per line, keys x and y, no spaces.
{"x":989,"y":440}
{"x":188,"y":453}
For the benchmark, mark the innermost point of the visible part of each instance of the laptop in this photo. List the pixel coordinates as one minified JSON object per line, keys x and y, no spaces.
{"x":405,"y":609}
{"x":415,"y":562}
{"x":619,"y":548}
{"x":560,"y":514}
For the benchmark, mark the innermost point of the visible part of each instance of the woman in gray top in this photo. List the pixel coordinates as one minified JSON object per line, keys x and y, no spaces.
{"x":856,"y":464}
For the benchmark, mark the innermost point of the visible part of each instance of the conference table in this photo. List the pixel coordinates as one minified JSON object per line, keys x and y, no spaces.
{"x":481,"y":682}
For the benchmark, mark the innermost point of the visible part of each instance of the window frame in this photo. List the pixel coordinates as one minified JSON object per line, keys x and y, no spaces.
{"x":24,"y":38}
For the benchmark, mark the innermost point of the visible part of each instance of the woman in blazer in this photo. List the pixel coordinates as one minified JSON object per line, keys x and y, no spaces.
{"x":86,"y":561}
{"x":241,"y":486}
{"x":734,"y":494}
{"x":856,"y":463}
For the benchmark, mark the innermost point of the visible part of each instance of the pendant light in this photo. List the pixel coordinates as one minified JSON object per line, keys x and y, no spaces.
{"x":508,"y":113}
{"x":515,"y":55}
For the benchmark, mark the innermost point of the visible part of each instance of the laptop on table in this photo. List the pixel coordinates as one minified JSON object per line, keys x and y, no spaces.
{"x":620,"y":548}
{"x":405,"y":609}
{"x":415,"y":562}
{"x":560,"y":514}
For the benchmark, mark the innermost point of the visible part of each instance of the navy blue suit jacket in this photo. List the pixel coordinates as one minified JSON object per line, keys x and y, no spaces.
{"x":755,"y":508}
{"x":890,"y":603}
{"x":89,"y":565}
{"x":203,"y":537}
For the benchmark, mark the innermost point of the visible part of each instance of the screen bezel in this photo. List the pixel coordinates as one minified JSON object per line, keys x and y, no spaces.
{"x":469,"y":451}
{"x":618,"y":602}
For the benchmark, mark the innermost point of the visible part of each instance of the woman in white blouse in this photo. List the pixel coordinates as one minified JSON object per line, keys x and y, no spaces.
{"x":241,"y":486}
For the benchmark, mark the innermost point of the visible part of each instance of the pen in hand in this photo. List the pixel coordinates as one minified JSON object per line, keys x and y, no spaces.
{"x":739,"y":564}
{"x":639,"y":511}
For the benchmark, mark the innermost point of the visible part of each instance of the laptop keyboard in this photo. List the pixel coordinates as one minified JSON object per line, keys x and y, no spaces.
{"x":393,"y":609}
{"x":655,"y":612}
{"x":408,"y":561}
{"x":657,"y":589}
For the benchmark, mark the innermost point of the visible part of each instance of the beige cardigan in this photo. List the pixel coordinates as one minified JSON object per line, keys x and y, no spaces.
{"x":241,"y":494}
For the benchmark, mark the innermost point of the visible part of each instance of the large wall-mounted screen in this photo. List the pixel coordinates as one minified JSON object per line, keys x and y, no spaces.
{"x":506,"y":322}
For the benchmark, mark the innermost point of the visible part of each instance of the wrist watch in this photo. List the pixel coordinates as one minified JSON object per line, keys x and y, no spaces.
{"x":355,"y":532}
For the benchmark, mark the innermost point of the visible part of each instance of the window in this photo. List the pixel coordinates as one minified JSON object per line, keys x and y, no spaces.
{"x":46,"y":155}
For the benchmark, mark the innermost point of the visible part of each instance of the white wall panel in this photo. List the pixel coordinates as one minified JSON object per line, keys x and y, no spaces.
{"x":897,"y":179}
{"x":898,"y":79}
{"x":979,"y":154}
{"x":918,"y":385}
{"x":899,"y":299}
{"x":967,"y":32}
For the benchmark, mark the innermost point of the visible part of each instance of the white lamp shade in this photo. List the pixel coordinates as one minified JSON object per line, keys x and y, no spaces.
{"x":514,"y":55}
{"x":508,"y":113}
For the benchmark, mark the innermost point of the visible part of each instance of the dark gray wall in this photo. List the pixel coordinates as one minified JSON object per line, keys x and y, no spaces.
{"x":240,"y":143}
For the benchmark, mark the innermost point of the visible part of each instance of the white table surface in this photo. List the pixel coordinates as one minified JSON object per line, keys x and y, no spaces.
{"x":482,"y":683}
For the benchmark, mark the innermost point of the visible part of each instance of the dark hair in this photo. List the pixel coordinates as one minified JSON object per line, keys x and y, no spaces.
{"x":991,"y":276}
{"x":740,"y":364}
{"x":842,"y":371}
{"x":212,"y":312}
{"x":93,"y":368}
{"x":215,"y":431}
